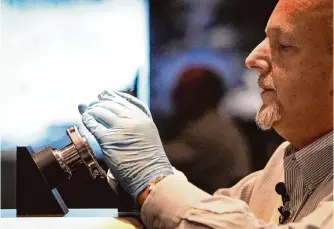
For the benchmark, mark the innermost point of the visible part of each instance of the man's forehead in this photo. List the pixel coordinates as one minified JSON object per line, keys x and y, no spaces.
{"x":295,"y":7}
{"x":288,"y":13}
{"x":279,"y":29}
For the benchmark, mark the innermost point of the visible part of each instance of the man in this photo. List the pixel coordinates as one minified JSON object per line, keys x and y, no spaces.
{"x":295,"y":72}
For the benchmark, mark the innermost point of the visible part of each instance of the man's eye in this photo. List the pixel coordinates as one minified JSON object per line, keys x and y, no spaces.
{"x":284,"y":47}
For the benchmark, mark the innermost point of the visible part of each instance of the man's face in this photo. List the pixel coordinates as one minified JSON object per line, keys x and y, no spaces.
{"x":295,"y":65}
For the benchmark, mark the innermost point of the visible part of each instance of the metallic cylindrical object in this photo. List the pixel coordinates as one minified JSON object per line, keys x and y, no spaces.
{"x":57,"y":165}
{"x":70,"y":156}
{"x":49,"y":166}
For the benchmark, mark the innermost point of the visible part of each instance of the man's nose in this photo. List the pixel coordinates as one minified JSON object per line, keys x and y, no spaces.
{"x":259,"y":58}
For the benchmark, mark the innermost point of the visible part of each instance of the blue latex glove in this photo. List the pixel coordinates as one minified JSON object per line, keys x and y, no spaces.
{"x":128,"y":138}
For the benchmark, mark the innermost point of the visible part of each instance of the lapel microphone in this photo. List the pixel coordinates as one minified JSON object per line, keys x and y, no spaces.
{"x":285,"y":213}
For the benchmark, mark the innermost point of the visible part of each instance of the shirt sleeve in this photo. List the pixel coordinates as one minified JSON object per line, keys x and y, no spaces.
{"x":243,"y":189}
{"x":176,"y":203}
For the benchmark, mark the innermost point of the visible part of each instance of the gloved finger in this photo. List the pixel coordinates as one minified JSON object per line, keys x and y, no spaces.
{"x":92,"y":125}
{"x":115,"y":107}
{"x":93,"y":103}
{"x":127,"y":110}
{"x":114,"y":96}
{"x":106,"y":96}
{"x":136,"y":102}
{"x":82,"y":108}
{"x":121,"y":106}
{"x":103,"y":116}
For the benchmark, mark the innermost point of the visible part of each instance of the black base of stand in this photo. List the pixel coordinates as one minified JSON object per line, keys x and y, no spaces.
{"x":34,"y":197}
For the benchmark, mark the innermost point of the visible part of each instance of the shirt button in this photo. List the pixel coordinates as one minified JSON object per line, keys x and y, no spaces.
{"x":309,"y":188}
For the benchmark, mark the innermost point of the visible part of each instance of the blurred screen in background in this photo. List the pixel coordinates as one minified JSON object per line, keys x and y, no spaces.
{"x":60,"y":53}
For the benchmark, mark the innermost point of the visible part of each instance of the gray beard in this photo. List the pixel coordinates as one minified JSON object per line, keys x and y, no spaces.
{"x":268,"y":115}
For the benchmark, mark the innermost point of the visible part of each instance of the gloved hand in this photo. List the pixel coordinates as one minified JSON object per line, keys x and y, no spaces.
{"x":128,"y":138}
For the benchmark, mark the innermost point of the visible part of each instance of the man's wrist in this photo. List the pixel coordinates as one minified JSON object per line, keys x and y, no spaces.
{"x":144,"y":194}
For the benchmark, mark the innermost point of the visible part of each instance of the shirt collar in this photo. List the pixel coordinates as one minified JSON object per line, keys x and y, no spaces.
{"x":315,"y":160}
